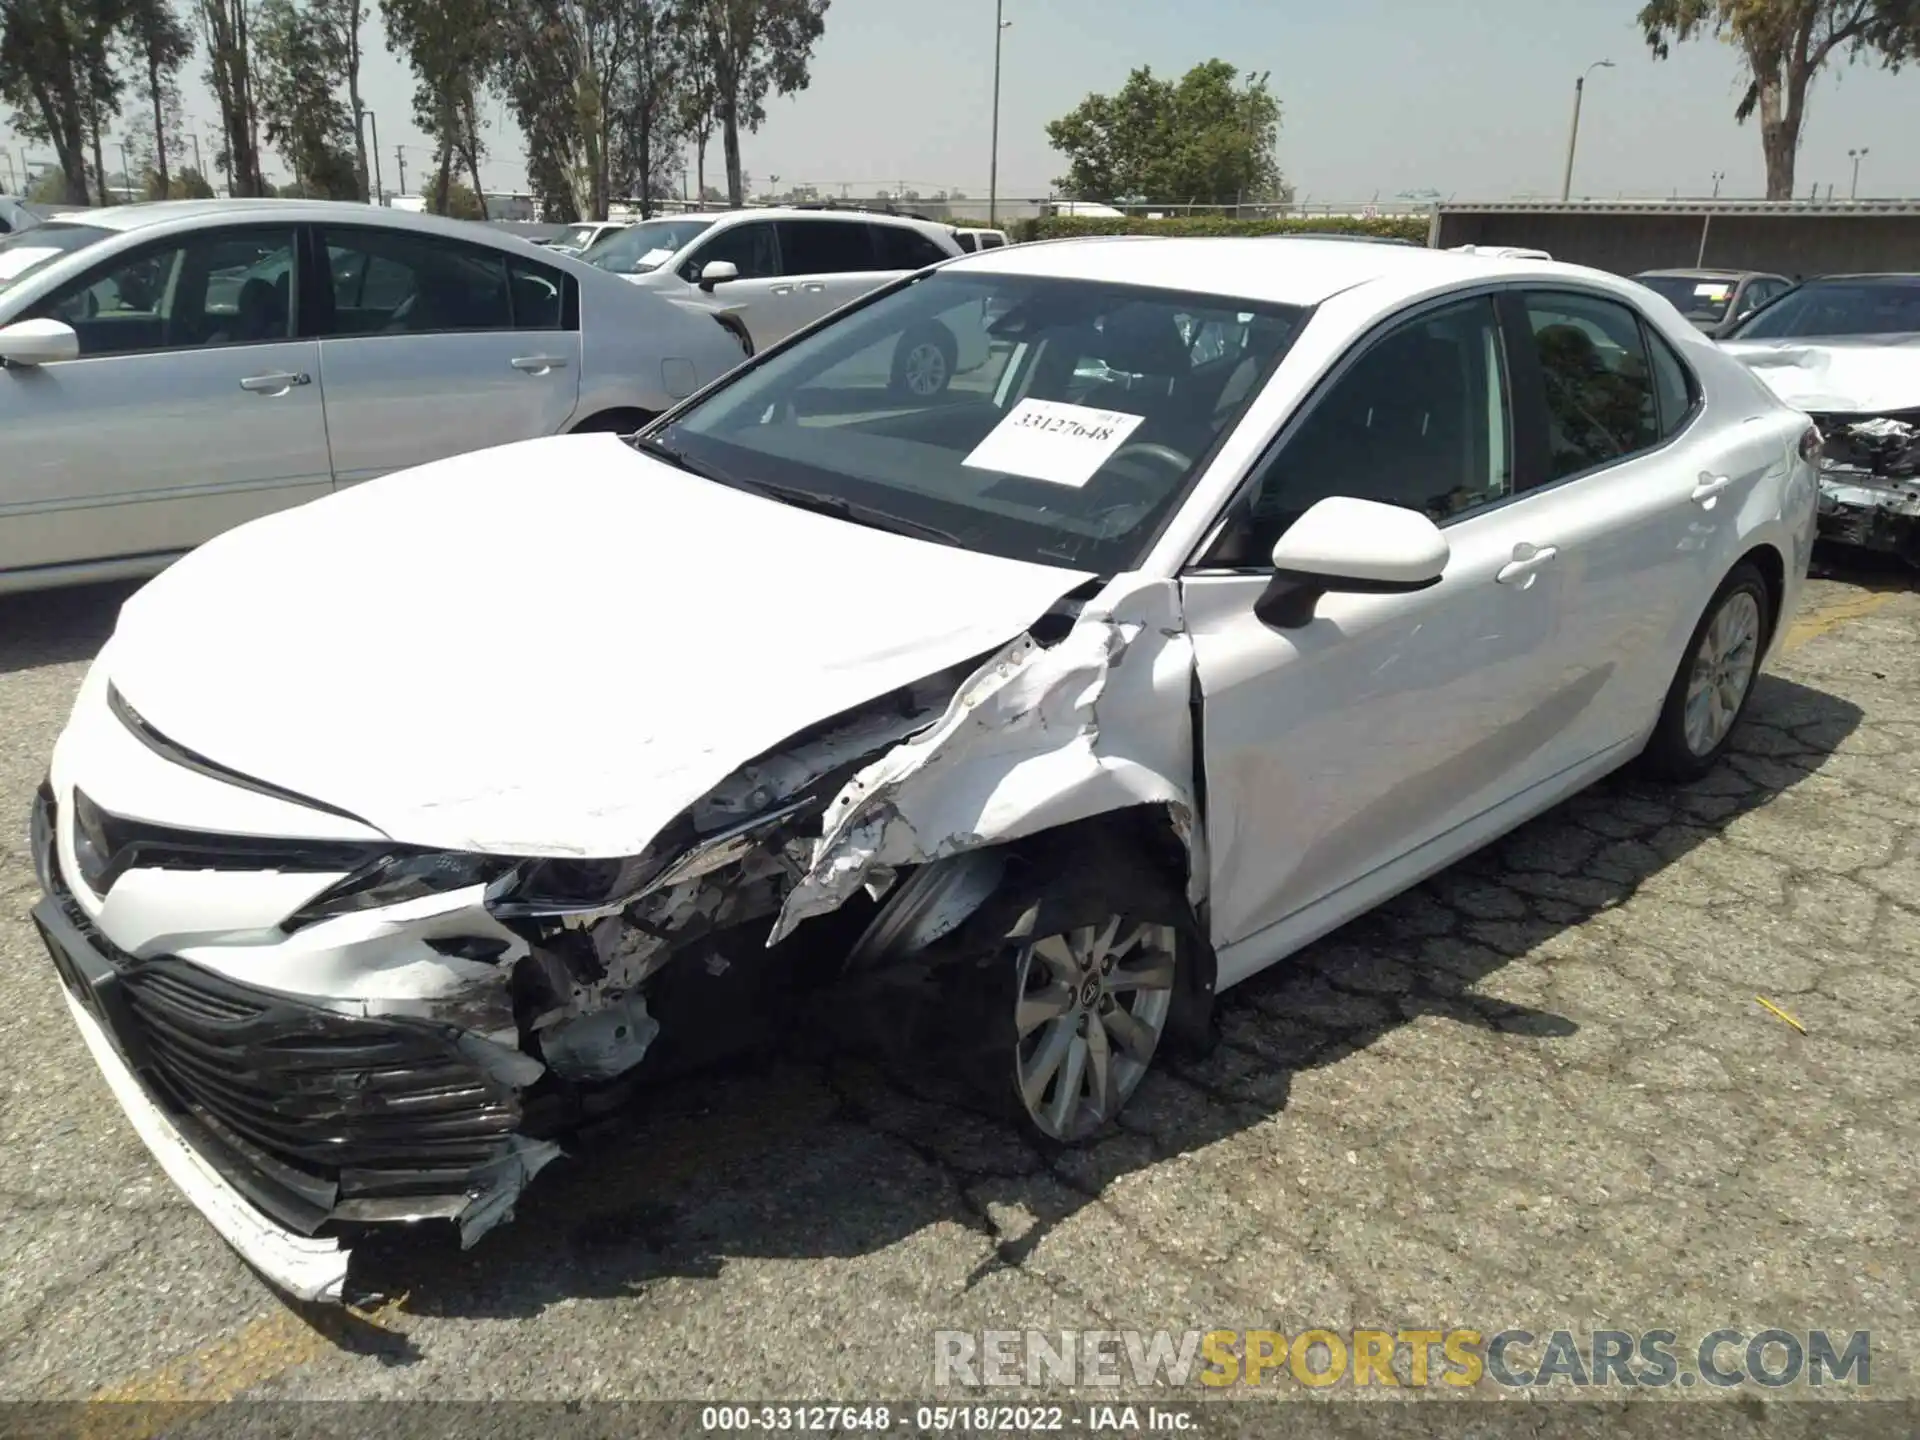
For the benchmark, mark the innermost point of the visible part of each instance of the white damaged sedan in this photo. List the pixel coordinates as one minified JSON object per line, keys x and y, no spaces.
{"x":1247,"y":583}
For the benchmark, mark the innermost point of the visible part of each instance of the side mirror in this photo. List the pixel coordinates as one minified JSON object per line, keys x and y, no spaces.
{"x":38,"y":342}
{"x":1360,"y":547}
{"x":718,"y":272}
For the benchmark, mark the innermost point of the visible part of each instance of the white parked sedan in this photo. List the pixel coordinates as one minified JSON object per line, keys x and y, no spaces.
{"x":170,"y":370}
{"x":1258,"y":580}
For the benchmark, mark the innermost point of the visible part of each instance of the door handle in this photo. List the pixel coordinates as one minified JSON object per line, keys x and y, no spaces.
{"x":1527,"y":561}
{"x":1708,"y":488}
{"x":814,"y":287}
{"x":274,"y":384}
{"x":539,"y":364}
{"x":781,"y":290}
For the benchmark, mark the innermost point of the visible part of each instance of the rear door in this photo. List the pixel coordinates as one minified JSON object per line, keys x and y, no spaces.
{"x":191,"y":408}
{"x":829,"y":261}
{"x":1638,"y":501}
{"x":431,"y":347}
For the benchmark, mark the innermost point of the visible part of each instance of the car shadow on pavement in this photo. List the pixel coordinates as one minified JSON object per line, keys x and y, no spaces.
{"x":53,"y":627}
{"x":790,"y":1158}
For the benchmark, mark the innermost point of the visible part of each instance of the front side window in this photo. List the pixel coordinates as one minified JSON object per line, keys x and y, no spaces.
{"x":823,"y":247}
{"x":750,"y":247}
{"x":396,"y":283}
{"x":1075,"y":423}
{"x":1829,"y":309}
{"x":1599,"y":392}
{"x":221,"y":287}
{"x":1421,"y":419}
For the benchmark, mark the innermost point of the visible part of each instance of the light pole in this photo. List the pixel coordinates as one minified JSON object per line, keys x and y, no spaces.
{"x":993,"y":162}
{"x":1573,"y":139}
{"x":1856,"y":156}
{"x":379,"y":190}
{"x":126,"y":171}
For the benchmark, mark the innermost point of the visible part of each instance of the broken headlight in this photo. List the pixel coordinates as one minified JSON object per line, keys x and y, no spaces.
{"x":577,"y":887}
{"x":399,"y":877}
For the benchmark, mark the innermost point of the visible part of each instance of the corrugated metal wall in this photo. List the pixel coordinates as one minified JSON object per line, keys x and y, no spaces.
{"x":1810,"y":242}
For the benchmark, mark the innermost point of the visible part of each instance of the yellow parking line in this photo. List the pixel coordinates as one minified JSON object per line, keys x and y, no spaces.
{"x":153,"y":1401}
{"x":1812,"y":624}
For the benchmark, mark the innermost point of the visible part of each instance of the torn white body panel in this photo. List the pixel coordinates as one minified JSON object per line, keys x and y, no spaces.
{"x":671,"y":601}
{"x":1866,"y":375}
{"x":1036,"y":738}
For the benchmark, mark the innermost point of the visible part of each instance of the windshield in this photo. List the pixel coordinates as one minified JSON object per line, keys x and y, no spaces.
{"x":578,"y":236}
{"x":643,"y":247}
{"x":1698,"y":297}
{"x":1047,"y":420}
{"x":1837,"y":308}
{"x":27,"y":252}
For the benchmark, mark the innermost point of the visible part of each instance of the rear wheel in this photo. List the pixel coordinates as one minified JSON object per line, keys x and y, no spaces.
{"x":1715,"y":680}
{"x":923,"y":364}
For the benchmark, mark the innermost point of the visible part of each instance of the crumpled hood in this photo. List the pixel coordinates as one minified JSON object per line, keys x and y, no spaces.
{"x":1863,"y":375}
{"x":550,"y":648}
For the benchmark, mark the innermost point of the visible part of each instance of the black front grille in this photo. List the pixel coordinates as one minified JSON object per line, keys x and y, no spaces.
{"x":374,"y":1105}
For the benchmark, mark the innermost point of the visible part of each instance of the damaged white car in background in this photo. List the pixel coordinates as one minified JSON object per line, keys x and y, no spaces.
{"x":1003,"y":726}
{"x":1846,"y":349}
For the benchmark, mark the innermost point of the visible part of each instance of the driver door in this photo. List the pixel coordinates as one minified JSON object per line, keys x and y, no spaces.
{"x":192,"y":407}
{"x":1385,"y":722}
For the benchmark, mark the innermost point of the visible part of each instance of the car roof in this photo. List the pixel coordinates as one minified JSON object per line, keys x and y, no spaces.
{"x":150,"y":214}
{"x":1708,"y":274}
{"x":1884,"y":277}
{"x":1281,"y":270}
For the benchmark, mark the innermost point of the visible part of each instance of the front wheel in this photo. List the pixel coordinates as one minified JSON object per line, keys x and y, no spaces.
{"x":1715,"y":681}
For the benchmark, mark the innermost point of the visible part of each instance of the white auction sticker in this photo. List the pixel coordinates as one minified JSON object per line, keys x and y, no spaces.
{"x":18,"y":262}
{"x":1713,"y":291}
{"x":1053,"y":441}
{"x":656,"y":257}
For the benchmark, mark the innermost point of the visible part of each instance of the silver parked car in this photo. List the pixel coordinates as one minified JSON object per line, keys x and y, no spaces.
{"x":170,"y":370}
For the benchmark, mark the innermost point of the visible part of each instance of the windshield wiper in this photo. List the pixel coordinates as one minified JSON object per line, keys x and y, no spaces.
{"x":678,"y":459}
{"x":843,"y":509}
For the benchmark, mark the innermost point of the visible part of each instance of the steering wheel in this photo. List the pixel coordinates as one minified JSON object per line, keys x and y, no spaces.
{"x":1165,"y":454}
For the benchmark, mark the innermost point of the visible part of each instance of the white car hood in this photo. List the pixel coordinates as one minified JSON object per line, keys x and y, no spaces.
{"x":1859,"y":376}
{"x":550,"y":648}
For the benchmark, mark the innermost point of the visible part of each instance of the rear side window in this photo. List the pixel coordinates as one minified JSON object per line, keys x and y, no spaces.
{"x":899,"y":247}
{"x":824,"y":247}
{"x":1599,"y":385}
{"x":396,"y":283}
{"x":1673,"y":387}
{"x":539,"y":295}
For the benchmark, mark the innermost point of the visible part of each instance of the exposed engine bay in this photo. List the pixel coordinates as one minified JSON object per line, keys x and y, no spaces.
{"x":1870,"y":482}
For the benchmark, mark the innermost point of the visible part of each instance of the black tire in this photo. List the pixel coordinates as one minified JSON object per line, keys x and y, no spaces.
{"x":1670,"y":755}
{"x":923,"y":363}
{"x":612,"y":422}
{"x":981,"y":988}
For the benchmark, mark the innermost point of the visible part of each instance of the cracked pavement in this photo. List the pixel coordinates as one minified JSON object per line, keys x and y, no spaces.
{"x":1537,"y":1091}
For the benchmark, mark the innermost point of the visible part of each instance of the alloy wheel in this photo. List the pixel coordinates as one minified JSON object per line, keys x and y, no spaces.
{"x":1722,"y":672}
{"x":926,"y":370}
{"x":1092,"y":1004}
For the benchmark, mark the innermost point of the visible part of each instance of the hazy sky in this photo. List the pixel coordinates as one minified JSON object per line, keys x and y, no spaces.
{"x":1379,"y":96}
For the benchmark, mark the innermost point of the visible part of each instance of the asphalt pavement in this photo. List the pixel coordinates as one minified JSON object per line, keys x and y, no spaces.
{"x":1539,"y":1091}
